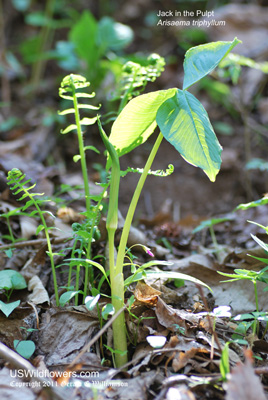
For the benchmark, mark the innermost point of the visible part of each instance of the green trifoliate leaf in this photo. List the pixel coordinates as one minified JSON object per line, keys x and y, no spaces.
{"x":201,"y":60}
{"x":136,"y":122}
{"x":184,"y":122}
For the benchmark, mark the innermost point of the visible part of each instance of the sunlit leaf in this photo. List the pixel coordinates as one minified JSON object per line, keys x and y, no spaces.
{"x":185,"y":124}
{"x":91,"y":301}
{"x":136,"y":122}
{"x":201,"y":60}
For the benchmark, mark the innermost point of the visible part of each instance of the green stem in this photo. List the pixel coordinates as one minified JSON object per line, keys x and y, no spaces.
{"x":117,"y":283}
{"x":133,"y":205}
{"x":70,"y":266}
{"x":256,"y":323}
{"x":85,"y":175}
{"x":213,"y":237}
{"x":10,"y":231}
{"x":256,"y":295}
{"x":77,"y":282}
{"x":93,"y":224}
{"x":50,"y":252}
{"x":81,"y":150}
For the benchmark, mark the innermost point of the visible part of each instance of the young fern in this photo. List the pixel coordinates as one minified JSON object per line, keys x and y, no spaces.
{"x":70,"y":89}
{"x":136,"y":76}
{"x":18,"y":185}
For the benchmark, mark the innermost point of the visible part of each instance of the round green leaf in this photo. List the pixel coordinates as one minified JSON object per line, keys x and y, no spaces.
{"x":25,"y":348}
{"x":10,"y":279}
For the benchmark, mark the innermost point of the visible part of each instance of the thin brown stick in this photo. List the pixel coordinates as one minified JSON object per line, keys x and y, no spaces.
{"x":33,"y":243}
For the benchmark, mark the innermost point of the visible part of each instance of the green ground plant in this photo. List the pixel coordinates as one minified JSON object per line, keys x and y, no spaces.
{"x":18,"y":185}
{"x":10,"y":280}
{"x":254,"y":277}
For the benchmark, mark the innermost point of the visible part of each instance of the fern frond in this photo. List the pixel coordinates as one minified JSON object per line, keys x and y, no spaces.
{"x":135,"y":77}
{"x":18,"y":184}
{"x":158,"y":172}
{"x":17,"y":179}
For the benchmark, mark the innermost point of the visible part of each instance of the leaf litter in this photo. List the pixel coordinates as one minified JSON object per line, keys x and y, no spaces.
{"x":178,"y":317}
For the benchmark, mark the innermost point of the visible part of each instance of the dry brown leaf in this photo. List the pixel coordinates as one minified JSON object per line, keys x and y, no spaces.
{"x":145,"y":294}
{"x":182,"y":359}
{"x":63,"y":333}
{"x":244,"y":384}
{"x":39,"y":294}
{"x":170,"y":317}
{"x":28,"y":226}
{"x":69,"y":215}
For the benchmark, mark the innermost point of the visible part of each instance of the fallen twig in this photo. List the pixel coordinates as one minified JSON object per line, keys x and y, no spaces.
{"x":36,"y":242}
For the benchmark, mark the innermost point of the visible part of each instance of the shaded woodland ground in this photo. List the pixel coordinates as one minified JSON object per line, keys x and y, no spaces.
{"x":34,"y":60}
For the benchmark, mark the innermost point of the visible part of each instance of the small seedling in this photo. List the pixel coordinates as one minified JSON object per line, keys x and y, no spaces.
{"x":25,"y":348}
{"x":10,"y":280}
{"x":135,"y":78}
{"x":72,"y":89}
{"x":252,"y":276}
{"x":248,"y":320}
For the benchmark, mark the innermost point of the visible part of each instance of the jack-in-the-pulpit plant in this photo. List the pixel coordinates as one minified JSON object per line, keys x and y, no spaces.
{"x":184,"y":122}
